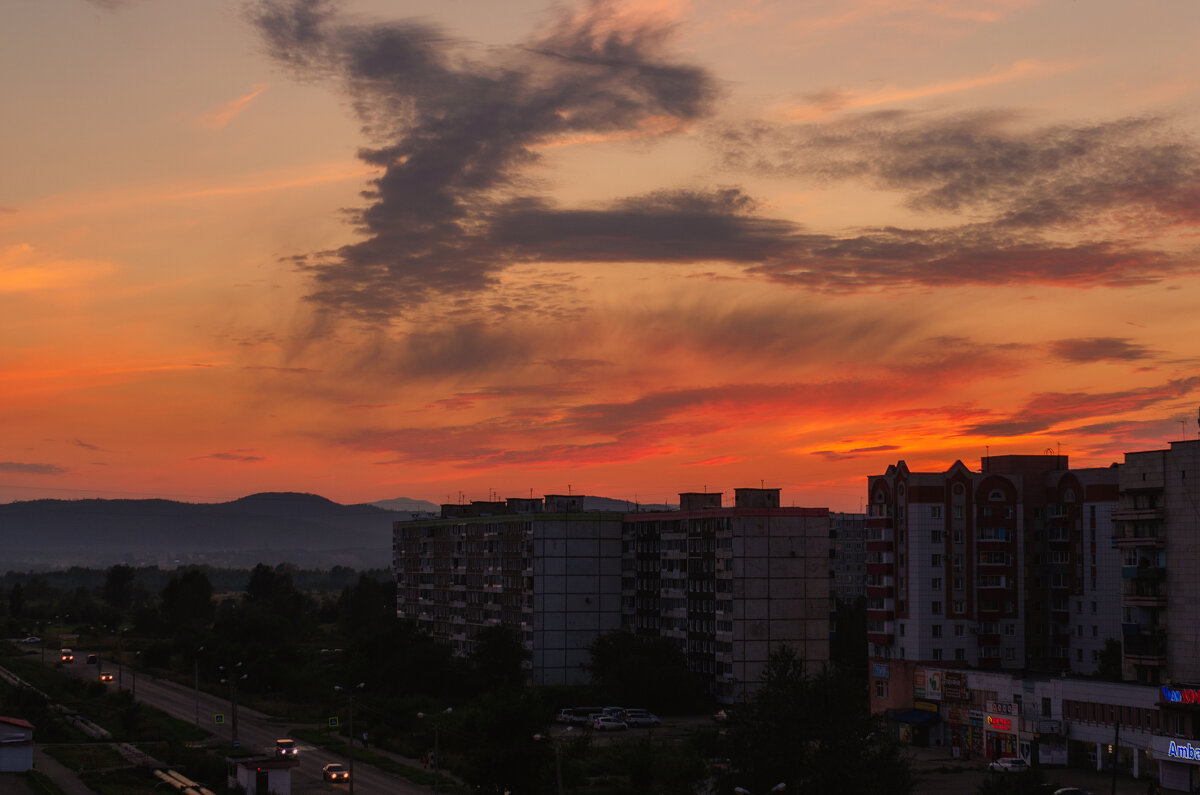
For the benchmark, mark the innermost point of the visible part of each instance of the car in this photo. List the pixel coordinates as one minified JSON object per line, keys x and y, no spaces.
{"x":106,"y":676}
{"x":66,"y":655}
{"x":640,"y":717}
{"x":1071,"y":791}
{"x":335,"y":772}
{"x":93,"y":659}
{"x":30,"y":639}
{"x":1013,"y":765}
{"x":613,"y":712}
{"x":566,"y":715}
{"x":286,"y":748}
{"x":603,"y":723}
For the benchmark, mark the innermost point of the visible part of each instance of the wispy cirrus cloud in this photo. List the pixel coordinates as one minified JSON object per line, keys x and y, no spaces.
{"x":238,"y":456}
{"x":1050,"y":410}
{"x":854,"y":452}
{"x":32,"y":469}
{"x":821,"y":104}
{"x":219,"y":117}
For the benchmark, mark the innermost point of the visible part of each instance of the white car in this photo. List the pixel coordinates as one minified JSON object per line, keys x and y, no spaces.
{"x":603,"y":723}
{"x":640,"y":717}
{"x":1013,"y":765}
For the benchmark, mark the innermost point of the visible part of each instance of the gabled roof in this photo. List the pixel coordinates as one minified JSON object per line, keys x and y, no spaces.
{"x":24,"y":724}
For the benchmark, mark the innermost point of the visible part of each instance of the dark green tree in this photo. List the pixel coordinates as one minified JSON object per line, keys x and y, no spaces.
{"x":16,"y":601}
{"x":498,"y":661}
{"x":367,"y":608}
{"x":814,"y":733}
{"x":187,"y":599}
{"x":644,"y":672}
{"x":1110,"y":661}
{"x":118,"y":586}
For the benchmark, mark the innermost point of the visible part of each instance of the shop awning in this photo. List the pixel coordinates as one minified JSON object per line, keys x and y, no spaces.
{"x":917,"y":717}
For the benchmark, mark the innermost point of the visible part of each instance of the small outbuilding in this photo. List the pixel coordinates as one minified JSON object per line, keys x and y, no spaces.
{"x":259,"y":775}
{"x":16,"y":745}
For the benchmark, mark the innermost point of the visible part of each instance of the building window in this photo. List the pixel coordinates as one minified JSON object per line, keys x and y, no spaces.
{"x":1095,"y":631}
{"x":936,"y":537}
{"x":1079,"y":655}
{"x":935,"y":608}
{"x":960,"y":607}
{"x":937,"y":654}
{"x":935,"y":584}
{"x":935,"y":512}
{"x":1093,"y":608}
{"x":937,"y":630}
{"x":1009,"y":629}
{"x":960,"y":655}
{"x":958,"y":630}
{"x":881,"y":688}
{"x":958,"y":512}
{"x":935,"y":560}
{"x":1009,"y":655}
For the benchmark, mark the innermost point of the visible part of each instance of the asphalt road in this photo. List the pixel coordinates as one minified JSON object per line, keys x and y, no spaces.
{"x":256,"y":732}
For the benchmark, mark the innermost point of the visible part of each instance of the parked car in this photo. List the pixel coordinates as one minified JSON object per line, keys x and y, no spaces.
{"x":566,"y":715}
{"x":30,"y":639}
{"x":106,"y":676}
{"x":286,"y":748}
{"x":613,"y":712}
{"x":1071,"y":791}
{"x":640,"y":717}
{"x":603,"y":723}
{"x":1014,"y":765}
{"x":335,"y":772}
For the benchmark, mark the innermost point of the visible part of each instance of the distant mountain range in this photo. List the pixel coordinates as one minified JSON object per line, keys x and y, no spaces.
{"x":275,"y":527}
{"x":304,"y":529}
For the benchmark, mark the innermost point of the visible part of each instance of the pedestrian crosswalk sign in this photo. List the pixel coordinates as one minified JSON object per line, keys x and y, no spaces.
{"x":218,"y":718}
{"x":333,"y":722}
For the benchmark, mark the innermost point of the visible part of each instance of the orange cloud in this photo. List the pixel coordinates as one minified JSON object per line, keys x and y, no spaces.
{"x":221,"y":115}
{"x":21,"y":271}
{"x":826,"y":103}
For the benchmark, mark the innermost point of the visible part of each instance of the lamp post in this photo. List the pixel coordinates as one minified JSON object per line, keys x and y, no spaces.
{"x":231,"y":676}
{"x":196,"y":665}
{"x":557,"y":758}
{"x":350,"y":695}
{"x":437,"y":750}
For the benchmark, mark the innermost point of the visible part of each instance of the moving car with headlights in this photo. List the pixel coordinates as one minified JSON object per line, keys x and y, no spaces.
{"x":106,"y":676}
{"x":286,"y":748}
{"x":66,"y":655}
{"x":335,"y":772}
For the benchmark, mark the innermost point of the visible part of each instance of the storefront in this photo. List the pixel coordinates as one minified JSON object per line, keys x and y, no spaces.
{"x":1000,"y":730}
{"x":1178,"y":763}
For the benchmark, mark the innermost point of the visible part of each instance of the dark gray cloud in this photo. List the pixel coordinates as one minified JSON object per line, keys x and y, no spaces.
{"x":454,"y":135}
{"x":32,"y":469}
{"x":843,"y":455}
{"x":1022,"y":179}
{"x":85,"y":445}
{"x":1099,"y":349}
{"x":1054,"y":410}
{"x":238,"y":456}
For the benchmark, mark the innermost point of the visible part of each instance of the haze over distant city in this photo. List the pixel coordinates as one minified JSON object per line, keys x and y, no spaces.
{"x":616,"y":248}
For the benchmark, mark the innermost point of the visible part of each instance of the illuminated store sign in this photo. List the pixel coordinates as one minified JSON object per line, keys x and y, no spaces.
{"x":1189,"y":751}
{"x":1181,"y":696}
{"x":1003,"y":724}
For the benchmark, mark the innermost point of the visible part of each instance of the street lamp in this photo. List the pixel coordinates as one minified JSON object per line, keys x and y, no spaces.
{"x":350,"y":695}
{"x":557,"y":758}
{"x":437,"y":751}
{"x":196,"y":663}
{"x":232,"y":678}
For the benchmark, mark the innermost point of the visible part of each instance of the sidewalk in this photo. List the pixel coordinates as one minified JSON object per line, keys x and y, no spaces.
{"x":65,"y":779}
{"x":963,"y":775}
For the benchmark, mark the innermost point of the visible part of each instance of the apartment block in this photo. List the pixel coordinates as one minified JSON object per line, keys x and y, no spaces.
{"x":545,"y":567}
{"x":1157,"y":531}
{"x":847,"y":532}
{"x":730,"y":584}
{"x":1008,"y":567}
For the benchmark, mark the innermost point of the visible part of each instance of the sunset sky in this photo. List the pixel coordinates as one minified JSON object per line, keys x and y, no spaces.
{"x":450,"y":249}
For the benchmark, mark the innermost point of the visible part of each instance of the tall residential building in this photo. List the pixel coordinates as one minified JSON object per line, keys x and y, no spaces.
{"x":730,"y":584}
{"x":546,"y":568}
{"x":847,"y":531}
{"x":1009,"y":567}
{"x":1158,"y":535}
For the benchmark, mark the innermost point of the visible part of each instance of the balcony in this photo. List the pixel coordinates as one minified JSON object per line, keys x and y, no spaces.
{"x":1141,"y":593}
{"x":1140,"y":536}
{"x":1145,"y":648}
{"x":1146,"y":573}
{"x":1137,"y":515}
